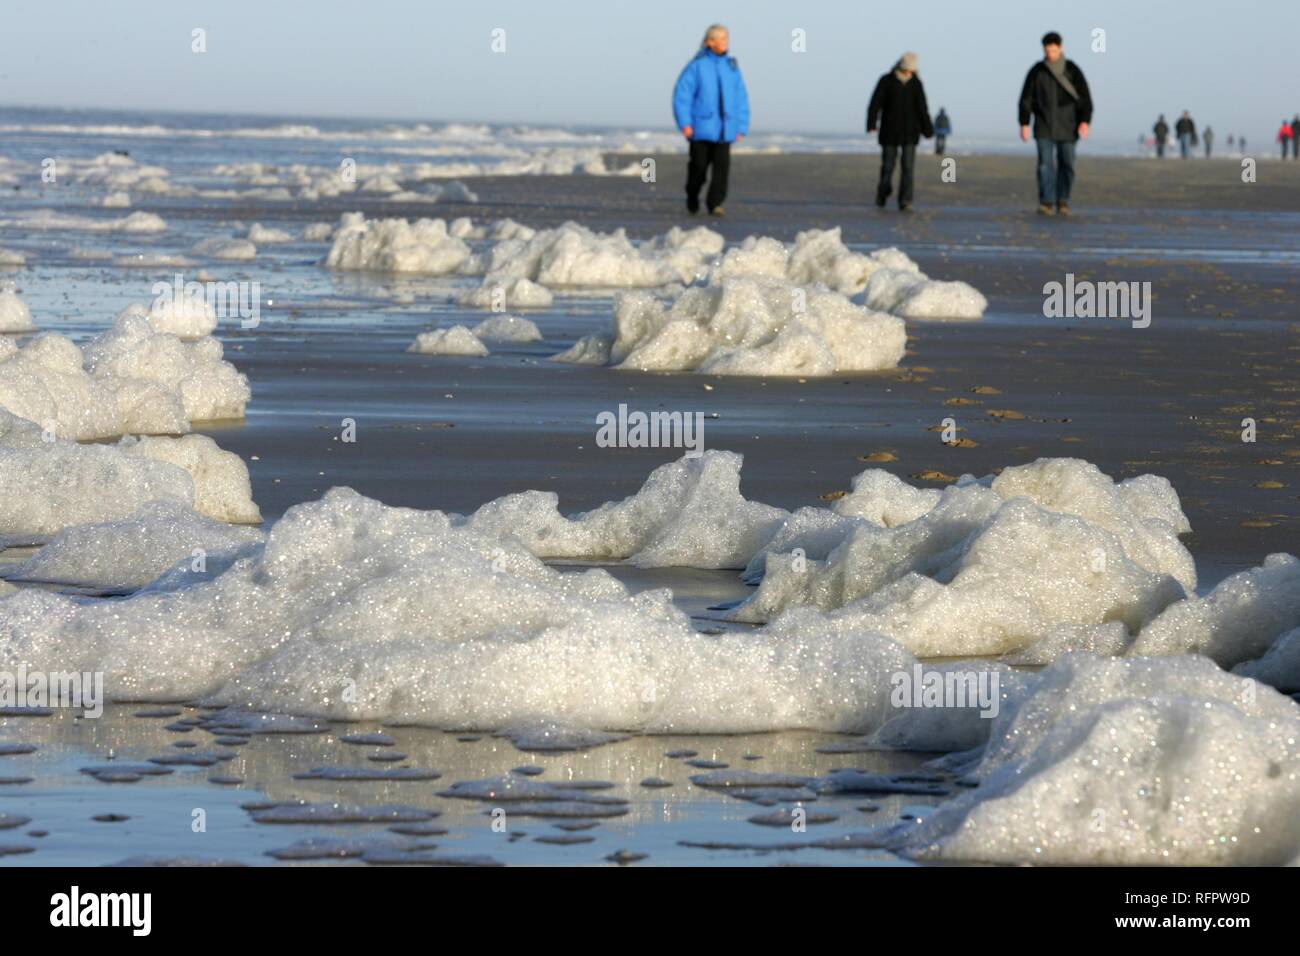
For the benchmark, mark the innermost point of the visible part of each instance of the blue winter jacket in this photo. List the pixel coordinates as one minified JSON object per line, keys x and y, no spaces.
{"x":710,"y":98}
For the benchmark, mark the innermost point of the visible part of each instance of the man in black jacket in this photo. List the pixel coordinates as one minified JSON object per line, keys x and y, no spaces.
{"x":1056,"y":95}
{"x":899,"y":109}
{"x":1185,"y":130}
{"x":1161,"y":132}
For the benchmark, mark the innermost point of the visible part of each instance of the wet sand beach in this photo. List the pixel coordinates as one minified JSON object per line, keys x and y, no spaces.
{"x":451,"y":434}
{"x":1222,"y":346}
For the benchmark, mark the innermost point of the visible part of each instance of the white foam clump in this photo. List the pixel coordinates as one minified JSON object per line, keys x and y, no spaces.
{"x":992,"y":566}
{"x":1279,"y":666}
{"x":913,"y":295}
{"x":188,"y":317}
{"x":130,"y":379}
{"x":589,"y":350}
{"x":220,"y":247}
{"x":454,"y":191}
{"x":1128,"y":761}
{"x":573,"y":255}
{"x":116,"y":200}
{"x":1240,"y":619}
{"x":753,"y":326}
{"x":46,"y":219}
{"x":456,"y":340}
{"x":317,"y":232}
{"x":47,"y":483}
{"x":131,"y":552}
{"x":508,"y":328}
{"x":222,"y":489}
{"x":395,"y":245}
{"x":267,"y":234}
{"x":8,"y":257}
{"x":434,"y":624}
{"x":817,"y":256}
{"x":689,"y":513}
{"x":14,"y":314}
{"x":133,"y":357}
{"x":509,"y":292}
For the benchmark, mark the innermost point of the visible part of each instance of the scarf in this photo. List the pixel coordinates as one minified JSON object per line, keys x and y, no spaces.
{"x":1057,"y":69}
{"x":901,"y":77}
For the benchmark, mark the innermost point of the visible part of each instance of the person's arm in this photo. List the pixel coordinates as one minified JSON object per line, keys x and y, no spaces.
{"x":927,"y":127}
{"x":744,"y":104}
{"x":684,"y":98}
{"x":875,"y":106}
{"x":1083,"y":108}
{"x":1026,"y":105}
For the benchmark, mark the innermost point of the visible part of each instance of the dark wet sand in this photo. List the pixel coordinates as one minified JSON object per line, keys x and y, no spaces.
{"x":1223,"y":345}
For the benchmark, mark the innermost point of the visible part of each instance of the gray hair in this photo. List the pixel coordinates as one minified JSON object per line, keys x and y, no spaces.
{"x":713,"y":28}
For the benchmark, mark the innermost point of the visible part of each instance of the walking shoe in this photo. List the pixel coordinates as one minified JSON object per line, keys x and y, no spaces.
{"x":692,"y":206}
{"x":1045,"y":209}
{"x":881,"y":198}
{"x":717,"y":211}
{"x":1063,"y":209}
{"x":904,"y":207}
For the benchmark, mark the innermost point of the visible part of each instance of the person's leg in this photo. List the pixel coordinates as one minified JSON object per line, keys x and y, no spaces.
{"x":905,"y":179}
{"x":1064,"y":171}
{"x":721,"y":169}
{"x":696,"y":169}
{"x":938,"y":145}
{"x":1160,"y":149}
{"x":1046,"y":173}
{"x":888,"y":156}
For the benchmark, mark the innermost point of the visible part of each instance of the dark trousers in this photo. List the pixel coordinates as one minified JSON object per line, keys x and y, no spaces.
{"x":704,"y":155}
{"x":888,"y":158}
{"x":1055,"y":174}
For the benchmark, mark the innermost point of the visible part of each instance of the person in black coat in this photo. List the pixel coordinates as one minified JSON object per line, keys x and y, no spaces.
{"x":898,"y":109}
{"x":1161,"y":132}
{"x":1056,"y":96}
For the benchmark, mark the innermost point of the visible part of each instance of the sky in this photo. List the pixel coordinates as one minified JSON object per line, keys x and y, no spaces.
{"x":581,"y":63}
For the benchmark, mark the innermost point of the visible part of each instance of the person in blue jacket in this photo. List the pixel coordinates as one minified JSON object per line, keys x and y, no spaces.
{"x":711,"y":107}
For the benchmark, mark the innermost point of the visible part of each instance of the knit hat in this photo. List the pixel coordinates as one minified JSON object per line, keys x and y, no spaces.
{"x":907,"y":62}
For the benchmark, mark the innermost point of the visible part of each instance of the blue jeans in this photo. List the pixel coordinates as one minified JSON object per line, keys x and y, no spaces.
{"x":1055,"y":177}
{"x":1185,"y":144}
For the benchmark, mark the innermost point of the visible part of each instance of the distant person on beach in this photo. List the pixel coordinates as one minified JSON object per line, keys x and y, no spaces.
{"x":1185,"y":130}
{"x":899,"y":110}
{"x":1231,"y":141}
{"x":1295,"y":137}
{"x":711,"y":106}
{"x":1285,"y":137}
{"x":1208,"y":137}
{"x":942,"y":130}
{"x":1161,"y":129}
{"x":1056,"y":95}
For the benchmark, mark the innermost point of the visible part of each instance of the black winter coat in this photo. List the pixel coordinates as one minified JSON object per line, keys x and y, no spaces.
{"x":899,"y":111}
{"x":1056,"y":114}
